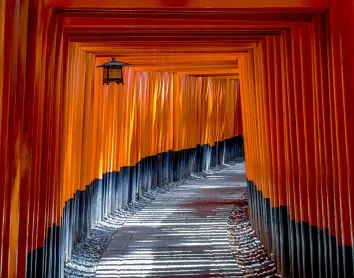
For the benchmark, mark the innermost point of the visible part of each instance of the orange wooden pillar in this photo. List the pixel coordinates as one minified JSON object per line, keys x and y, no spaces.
{"x":294,"y":97}
{"x":341,"y":91}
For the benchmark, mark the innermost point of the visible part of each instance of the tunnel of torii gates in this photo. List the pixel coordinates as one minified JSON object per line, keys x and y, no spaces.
{"x":206,"y":78}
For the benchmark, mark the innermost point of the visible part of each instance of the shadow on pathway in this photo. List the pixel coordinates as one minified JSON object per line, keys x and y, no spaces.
{"x":182,"y":233}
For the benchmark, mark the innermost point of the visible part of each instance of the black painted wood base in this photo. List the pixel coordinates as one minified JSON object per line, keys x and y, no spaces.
{"x":298,"y":249}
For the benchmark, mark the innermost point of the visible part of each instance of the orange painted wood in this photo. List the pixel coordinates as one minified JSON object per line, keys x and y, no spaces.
{"x":290,"y":129}
{"x":155,"y":4}
{"x":61,"y":129}
{"x":341,"y":94}
{"x":312,"y":132}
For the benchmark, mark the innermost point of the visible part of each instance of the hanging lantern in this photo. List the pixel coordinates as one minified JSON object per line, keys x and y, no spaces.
{"x":113,"y":72}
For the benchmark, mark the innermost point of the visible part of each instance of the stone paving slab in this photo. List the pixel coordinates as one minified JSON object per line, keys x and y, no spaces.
{"x":182,"y":233}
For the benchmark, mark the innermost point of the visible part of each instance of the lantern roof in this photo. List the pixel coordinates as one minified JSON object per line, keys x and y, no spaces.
{"x":114,"y":63}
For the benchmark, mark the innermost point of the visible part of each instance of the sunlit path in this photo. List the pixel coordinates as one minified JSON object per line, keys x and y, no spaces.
{"x":181,"y":233}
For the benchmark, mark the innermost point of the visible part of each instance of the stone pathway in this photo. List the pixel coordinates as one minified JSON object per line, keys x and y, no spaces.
{"x":182,"y":233}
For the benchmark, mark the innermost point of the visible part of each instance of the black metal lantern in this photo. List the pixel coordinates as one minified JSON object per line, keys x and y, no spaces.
{"x":113,"y":72}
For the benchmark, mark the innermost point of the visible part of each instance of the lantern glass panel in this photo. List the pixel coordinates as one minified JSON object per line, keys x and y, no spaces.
{"x":115,"y":73}
{"x":105,"y":75}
